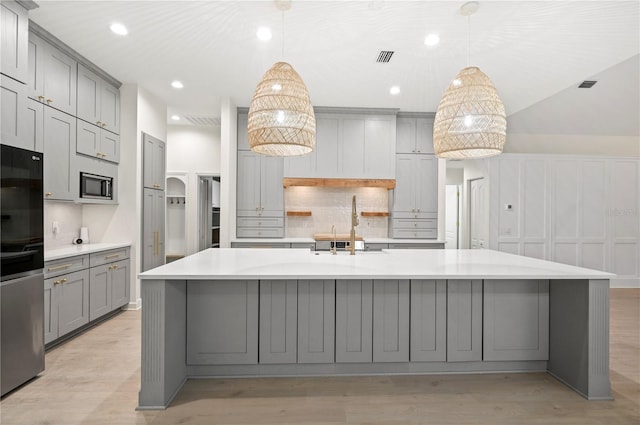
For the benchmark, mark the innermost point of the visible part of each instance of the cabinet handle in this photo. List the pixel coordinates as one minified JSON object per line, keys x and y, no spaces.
{"x":155,"y":243}
{"x":49,"y":101}
{"x":115,"y":267}
{"x":47,"y":194}
{"x":107,"y":257}
{"x":56,"y":282}
{"x":41,"y":98}
{"x":61,"y":267}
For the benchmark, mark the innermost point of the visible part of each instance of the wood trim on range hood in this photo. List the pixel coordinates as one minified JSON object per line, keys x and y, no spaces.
{"x":342,"y":183}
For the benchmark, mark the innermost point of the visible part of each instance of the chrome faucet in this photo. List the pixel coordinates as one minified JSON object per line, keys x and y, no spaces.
{"x":335,"y":243}
{"x":354,"y":223}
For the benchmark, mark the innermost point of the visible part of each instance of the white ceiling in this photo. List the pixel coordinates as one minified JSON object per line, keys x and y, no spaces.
{"x":531,"y":50}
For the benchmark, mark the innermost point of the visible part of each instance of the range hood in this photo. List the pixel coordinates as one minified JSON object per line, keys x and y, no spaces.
{"x":342,"y":183}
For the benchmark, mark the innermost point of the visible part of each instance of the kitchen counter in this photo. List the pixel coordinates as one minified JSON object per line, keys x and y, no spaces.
{"x":288,"y":312}
{"x":72,"y":250}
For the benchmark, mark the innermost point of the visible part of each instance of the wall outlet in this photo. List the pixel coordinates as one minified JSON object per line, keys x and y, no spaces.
{"x":508,"y":207}
{"x":55,"y":228}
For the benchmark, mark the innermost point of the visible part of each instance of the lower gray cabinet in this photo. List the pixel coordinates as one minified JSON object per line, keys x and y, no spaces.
{"x":391,"y":320}
{"x":222,"y":322}
{"x":516,"y":320}
{"x":354,"y":314}
{"x":108,"y":288}
{"x":464,"y":320}
{"x":66,"y":304}
{"x":428,"y":320}
{"x":316,"y":321}
{"x":278,"y":321}
{"x":120,"y":283}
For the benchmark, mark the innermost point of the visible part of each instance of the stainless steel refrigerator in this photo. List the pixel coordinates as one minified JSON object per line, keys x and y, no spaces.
{"x":22,"y":262}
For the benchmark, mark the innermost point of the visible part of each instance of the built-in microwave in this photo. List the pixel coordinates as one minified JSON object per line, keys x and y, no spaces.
{"x":93,"y":186}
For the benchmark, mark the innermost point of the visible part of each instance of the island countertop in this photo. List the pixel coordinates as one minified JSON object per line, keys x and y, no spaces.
{"x":244,"y":264}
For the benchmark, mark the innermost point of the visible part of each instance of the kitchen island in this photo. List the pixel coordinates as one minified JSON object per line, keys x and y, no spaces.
{"x":290,"y":312}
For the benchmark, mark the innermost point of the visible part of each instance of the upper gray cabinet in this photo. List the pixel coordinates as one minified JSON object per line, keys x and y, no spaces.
{"x":61,"y":182}
{"x":154,"y":155}
{"x":416,"y":192}
{"x":13,"y":45}
{"x":349,"y":145}
{"x":97,"y":142}
{"x":260,"y":192}
{"x":13,"y":121}
{"x":52,"y":76}
{"x":414,"y":134}
{"x":98,"y":101}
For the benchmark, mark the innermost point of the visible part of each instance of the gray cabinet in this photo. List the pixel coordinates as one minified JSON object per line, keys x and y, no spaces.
{"x":415,"y":198}
{"x":13,"y":118}
{"x":60,"y":180}
{"x":97,"y":142}
{"x":349,"y":145}
{"x":464,"y":320}
{"x":316,"y":321}
{"x":414,"y":134}
{"x":391,"y":321}
{"x":260,"y":196}
{"x":108,"y":288}
{"x":354,"y":317}
{"x":153,"y":228}
{"x":66,"y":303}
{"x":52,"y":77}
{"x":516,"y":320}
{"x":98,"y":101}
{"x":416,"y":245}
{"x":222,"y":322}
{"x":428,"y":320}
{"x":14,"y":37}
{"x":34,"y":133}
{"x":154,"y":162}
{"x":278,"y":321}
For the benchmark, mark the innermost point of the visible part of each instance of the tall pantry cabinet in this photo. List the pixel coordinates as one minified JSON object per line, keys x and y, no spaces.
{"x":153,"y":204}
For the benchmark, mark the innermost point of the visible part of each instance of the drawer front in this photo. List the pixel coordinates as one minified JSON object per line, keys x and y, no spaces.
{"x":260,"y":222}
{"x":407,"y":223}
{"x":416,"y":245}
{"x":414,"y":214}
{"x":65,"y":265}
{"x":110,"y":256}
{"x":415,"y":234}
{"x":260,"y":232}
{"x":259,"y":245}
{"x":304,"y":245}
{"x":375,"y":246}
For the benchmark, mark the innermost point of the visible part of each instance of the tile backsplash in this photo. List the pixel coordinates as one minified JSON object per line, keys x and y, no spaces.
{"x":332,"y":206}
{"x":69,"y":219}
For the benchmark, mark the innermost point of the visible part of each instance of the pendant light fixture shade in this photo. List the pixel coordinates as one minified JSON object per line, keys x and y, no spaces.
{"x":470,"y":121}
{"x":281,"y":117}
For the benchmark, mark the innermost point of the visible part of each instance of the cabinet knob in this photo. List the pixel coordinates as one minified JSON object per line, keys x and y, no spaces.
{"x":49,"y":101}
{"x":41,"y":98}
{"x":48,"y":194}
{"x":56,"y":282}
{"x":115,"y":267}
{"x":63,"y":280}
{"x":99,"y":123}
{"x":104,"y":124}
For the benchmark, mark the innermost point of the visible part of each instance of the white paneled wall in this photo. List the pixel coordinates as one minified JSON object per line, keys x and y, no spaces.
{"x":576,"y":210}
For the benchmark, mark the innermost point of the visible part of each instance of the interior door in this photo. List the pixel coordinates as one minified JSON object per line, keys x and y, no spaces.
{"x":452,"y":221}
{"x":477,"y":214}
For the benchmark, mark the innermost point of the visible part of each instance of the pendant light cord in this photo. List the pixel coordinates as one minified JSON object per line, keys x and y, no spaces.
{"x":283,"y":35}
{"x":468,"y":39}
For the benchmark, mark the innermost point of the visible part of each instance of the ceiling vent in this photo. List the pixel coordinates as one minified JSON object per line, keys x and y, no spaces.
{"x":384,"y":56}
{"x":201,"y":120}
{"x":587,"y":84}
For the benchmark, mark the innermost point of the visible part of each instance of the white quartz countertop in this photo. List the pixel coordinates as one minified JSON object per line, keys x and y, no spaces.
{"x":72,"y":250}
{"x":252,"y":263}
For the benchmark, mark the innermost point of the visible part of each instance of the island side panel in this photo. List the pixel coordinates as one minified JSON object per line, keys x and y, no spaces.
{"x":354,"y":316}
{"x":464,"y":320}
{"x":316,"y":321}
{"x":163,"y":363}
{"x":579,"y":336}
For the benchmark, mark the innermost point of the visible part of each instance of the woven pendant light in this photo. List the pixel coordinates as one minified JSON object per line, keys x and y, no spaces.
{"x":281,"y":117}
{"x":470,"y":121}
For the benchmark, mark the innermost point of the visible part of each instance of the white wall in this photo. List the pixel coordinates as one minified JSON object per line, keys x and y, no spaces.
{"x":140,"y":112}
{"x":69,"y":219}
{"x":573,"y":144}
{"x":579,"y":210}
{"x":228,"y":167}
{"x":193,"y":151}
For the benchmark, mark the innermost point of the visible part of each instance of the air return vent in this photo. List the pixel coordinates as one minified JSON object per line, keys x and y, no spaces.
{"x":203,"y":120}
{"x":384,"y":56}
{"x":587,"y":84}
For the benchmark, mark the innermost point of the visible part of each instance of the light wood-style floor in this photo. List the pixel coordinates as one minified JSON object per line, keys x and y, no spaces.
{"x":94,"y":379}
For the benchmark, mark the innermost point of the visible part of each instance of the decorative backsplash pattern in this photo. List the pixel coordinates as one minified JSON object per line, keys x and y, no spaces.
{"x":332,"y":206}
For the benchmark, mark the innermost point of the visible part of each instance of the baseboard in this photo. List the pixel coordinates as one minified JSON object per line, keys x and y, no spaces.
{"x":629,"y":282}
{"x":134,"y":305}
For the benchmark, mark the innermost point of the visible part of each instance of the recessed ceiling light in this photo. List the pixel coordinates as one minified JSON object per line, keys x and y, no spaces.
{"x":264,"y":34}
{"x":177,"y":84}
{"x":175,"y":117}
{"x":432,"y":40}
{"x":118,"y":29}
{"x":394,"y":90}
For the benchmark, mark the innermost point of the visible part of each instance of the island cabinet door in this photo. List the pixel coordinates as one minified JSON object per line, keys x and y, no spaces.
{"x":516,"y":320}
{"x":278,"y":321}
{"x":428,"y":320}
{"x":464,"y":320}
{"x":354,"y":316}
{"x":391,"y":321}
{"x":316,"y":321}
{"x":222,"y":322}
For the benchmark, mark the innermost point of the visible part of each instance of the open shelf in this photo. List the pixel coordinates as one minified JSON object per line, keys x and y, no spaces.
{"x":374,"y":214}
{"x":343,"y":183}
{"x":298,"y":213}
